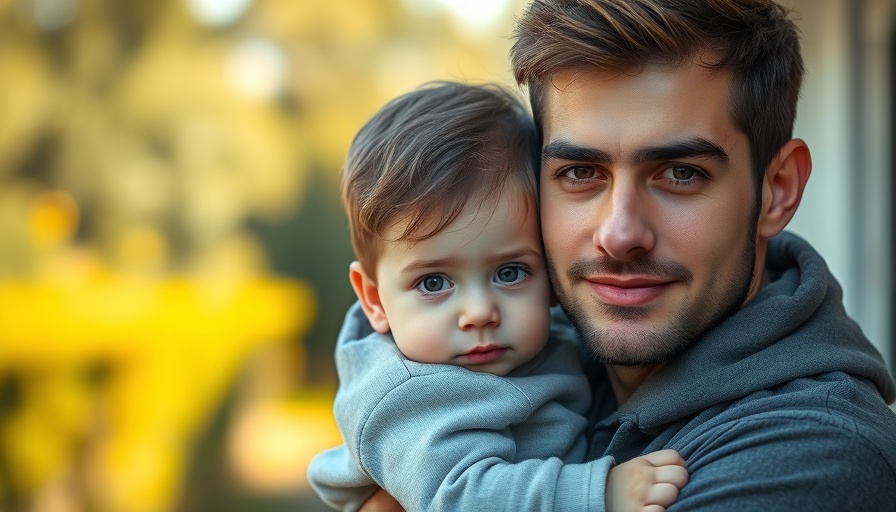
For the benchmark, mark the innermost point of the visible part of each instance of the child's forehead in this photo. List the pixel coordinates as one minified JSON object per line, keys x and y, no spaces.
{"x":482,"y":232}
{"x":511,"y":201}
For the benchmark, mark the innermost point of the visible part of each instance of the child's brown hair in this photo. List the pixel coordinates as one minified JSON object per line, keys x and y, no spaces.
{"x":427,"y":154}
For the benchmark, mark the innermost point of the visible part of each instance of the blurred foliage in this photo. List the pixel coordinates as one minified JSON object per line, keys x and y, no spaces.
{"x":173,"y":256}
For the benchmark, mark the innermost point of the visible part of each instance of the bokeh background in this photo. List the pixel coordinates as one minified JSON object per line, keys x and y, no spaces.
{"x":173,"y":256}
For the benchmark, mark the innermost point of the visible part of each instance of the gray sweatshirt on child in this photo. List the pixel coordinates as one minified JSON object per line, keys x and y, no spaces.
{"x":441,"y":437}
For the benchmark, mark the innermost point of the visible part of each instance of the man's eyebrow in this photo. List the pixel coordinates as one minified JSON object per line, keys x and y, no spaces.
{"x":689,"y":148}
{"x":563,"y":150}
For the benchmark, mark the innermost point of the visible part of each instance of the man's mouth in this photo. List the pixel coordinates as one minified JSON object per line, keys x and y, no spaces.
{"x":484,"y":354}
{"x":628,"y":290}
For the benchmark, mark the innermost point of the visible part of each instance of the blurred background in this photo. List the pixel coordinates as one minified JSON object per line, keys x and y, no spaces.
{"x":173,"y":255}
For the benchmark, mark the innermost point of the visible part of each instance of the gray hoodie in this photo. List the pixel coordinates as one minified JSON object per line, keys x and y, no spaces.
{"x":442,"y":438}
{"x":782,"y":406}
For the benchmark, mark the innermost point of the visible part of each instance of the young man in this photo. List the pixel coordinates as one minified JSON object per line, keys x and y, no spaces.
{"x":668,"y":170}
{"x":668,"y":173}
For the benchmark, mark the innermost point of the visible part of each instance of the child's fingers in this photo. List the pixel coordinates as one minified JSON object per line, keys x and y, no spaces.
{"x":653,"y":508}
{"x":675,"y":475}
{"x":662,"y":494}
{"x":664,"y":458}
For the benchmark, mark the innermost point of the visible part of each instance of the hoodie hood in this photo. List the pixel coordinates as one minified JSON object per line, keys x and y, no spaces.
{"x":795,"y":327}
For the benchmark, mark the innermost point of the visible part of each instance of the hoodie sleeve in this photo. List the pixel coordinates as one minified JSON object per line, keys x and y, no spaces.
{"x":336,"y":477}
{"x":440,"y":437}
{"x":442,"y":443}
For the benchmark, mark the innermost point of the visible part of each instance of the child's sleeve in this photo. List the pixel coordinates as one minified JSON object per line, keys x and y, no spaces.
{"x":336,"y":477}
{"x":458,"y":452}
{"x":439,"y":437}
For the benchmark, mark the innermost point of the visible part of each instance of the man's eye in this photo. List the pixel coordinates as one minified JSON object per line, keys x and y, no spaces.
{"x":510,"y":275}
{"x":579,"y":173}
{"x":682,"y":173}
{"x":433,"y":284}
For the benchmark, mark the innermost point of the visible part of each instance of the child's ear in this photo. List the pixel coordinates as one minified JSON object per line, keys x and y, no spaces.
{"x":369,"y":296}
{"x":785,"y":180}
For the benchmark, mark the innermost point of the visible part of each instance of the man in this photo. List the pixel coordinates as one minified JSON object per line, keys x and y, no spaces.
{"x":668,"y":172}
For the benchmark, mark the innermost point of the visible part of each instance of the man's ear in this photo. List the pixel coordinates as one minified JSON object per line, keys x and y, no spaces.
{"x":782,"y":190}
{"x":369,"y":296}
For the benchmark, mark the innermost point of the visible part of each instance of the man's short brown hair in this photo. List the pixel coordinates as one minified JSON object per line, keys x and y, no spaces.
{"x":754,"y":39}
{"x":427,"y":154}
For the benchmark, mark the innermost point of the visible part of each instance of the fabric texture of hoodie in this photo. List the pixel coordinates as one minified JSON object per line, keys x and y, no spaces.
{"x":440,"y":437}
{"x":782,"y":406}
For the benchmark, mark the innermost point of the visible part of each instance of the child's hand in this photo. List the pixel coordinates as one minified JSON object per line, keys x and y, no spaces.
{"x":646,"y":484}
{"x":381,"y":501}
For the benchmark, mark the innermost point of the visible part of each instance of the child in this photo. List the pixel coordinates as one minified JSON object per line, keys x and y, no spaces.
{"x":474,"y":402}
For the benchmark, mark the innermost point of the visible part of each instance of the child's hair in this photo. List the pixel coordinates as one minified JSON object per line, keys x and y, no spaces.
{"x":427,"y":154}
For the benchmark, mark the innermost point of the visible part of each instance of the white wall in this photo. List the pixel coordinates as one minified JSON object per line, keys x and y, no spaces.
{"x":844,"y":117}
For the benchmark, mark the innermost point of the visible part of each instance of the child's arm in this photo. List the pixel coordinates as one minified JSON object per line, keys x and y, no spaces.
{"x":440,"y":437}
{"x":648,"y":484}
{"x":459,"y":453}
{"x":461,"y":461}
{"x":336,"y":477}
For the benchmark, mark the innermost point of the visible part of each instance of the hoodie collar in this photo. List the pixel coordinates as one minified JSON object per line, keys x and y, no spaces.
{"x":794,"y":327}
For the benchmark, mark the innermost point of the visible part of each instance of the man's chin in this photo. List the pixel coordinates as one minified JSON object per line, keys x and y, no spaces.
{"x":630,"y":345}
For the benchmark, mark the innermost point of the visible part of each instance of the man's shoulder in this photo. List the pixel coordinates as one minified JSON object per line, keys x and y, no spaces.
{"x":827,"y":443}
{"x":789,"y":463}
{"x":827,"y":413}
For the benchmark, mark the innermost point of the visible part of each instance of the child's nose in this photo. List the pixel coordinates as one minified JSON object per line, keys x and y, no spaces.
{"x":479,"y":310}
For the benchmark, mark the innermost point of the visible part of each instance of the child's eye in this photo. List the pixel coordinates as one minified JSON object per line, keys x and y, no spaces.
{"x":510,"y":275}
{"x":434,"y":284}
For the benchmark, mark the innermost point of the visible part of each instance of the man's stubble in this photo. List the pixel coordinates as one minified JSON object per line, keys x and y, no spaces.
{"x":659,"y":345}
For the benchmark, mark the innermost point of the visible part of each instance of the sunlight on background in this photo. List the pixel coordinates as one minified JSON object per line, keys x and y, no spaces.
{"x":218,"y":13}
{"x":174,"y":263}
{"x":469,"y":15}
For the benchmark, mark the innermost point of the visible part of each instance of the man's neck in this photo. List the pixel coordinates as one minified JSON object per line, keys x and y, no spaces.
{"x":625,"y":380}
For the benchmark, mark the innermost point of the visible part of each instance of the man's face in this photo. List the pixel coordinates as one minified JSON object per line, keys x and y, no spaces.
{"x":647,"y":207}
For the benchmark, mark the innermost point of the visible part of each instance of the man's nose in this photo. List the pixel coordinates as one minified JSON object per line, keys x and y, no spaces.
{"x":478,"y":309}
{"x":624,"y":231}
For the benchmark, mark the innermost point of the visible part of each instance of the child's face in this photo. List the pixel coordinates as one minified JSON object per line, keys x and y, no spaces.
{"x":474,"y":295}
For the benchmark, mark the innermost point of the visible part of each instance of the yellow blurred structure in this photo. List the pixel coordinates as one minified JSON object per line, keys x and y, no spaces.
{"x":273,"y":441}
{"x":172,"y":349}
{"x":168,"y":350}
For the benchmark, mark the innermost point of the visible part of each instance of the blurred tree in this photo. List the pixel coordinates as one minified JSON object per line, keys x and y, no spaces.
{"x":163,"y":155}
{"x":313,"y":245}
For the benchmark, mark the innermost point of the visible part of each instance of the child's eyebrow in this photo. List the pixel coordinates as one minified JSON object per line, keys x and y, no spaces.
{"x":418,"y":265}
{"x":508,"y":256}
{"x":515,"y":254}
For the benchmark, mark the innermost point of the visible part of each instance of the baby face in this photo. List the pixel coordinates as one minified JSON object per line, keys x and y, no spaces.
{"x":474,"y":295}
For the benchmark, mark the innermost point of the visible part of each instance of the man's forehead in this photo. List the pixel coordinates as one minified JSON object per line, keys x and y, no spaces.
{"x":637,"y":106}
{"x":649,"y":77}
